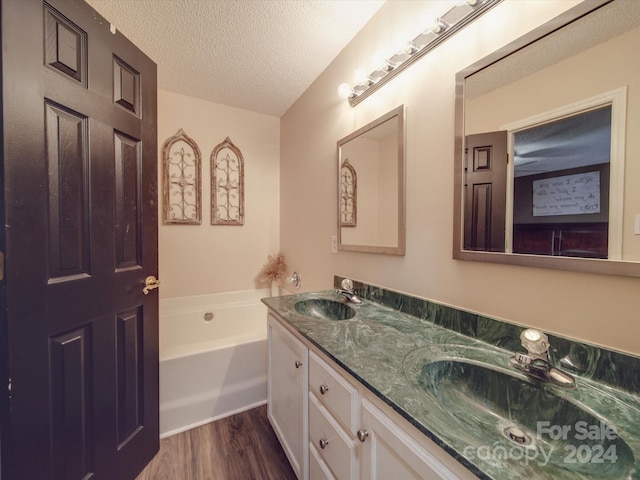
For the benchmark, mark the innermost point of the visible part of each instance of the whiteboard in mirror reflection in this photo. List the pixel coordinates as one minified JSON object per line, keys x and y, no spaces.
{"x":577,"y":194}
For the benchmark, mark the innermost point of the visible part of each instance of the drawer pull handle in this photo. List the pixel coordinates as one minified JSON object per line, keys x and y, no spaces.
{"x":323,"y":443}
{"x":324,"y":389}
{"x":298,"y":363}
{"x":362,"y":435}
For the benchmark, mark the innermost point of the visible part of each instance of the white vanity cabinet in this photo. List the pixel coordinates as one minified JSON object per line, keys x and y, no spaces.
{"x":333,"y":428}
{"x":389,"y":452}
{"x":287,"y":399}
{"x":333,"y":418}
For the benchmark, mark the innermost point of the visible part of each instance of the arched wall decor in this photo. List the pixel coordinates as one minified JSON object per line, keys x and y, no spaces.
{"x":227,"y":184}
{"x":348,"y":194}
{"x":182,"y":180}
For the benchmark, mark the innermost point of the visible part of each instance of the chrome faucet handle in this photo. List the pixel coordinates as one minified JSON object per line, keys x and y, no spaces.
{"x":536,"y":342}
{"x":347,"y":284}
{"x":536,"y":362}
{"x":346,"y":290}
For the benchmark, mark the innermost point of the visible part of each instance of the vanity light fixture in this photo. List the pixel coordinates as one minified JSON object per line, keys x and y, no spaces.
{"x":458,"y":16}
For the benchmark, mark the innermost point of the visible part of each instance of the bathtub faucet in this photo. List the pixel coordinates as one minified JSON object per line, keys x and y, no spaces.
{"x":348,"y":292}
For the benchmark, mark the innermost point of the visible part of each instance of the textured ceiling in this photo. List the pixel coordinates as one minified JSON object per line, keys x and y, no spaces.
{"x":258,"y":55}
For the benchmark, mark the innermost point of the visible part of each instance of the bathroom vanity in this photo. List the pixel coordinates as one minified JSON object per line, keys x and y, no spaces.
{"x":332,"y":427}
{"x":399,"y":387}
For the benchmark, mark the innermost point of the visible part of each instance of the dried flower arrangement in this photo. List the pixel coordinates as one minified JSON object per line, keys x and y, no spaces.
{"x":273,"y":270}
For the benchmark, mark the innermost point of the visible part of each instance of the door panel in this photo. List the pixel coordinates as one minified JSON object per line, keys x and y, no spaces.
{"x":71,"y":402}
{"x":80,"y":170}
{"x":67,"y":162}
{"x":130,"y":370}
{"x":485,"y":191}
{"x":127,"y":165}
{"x":65,"y":45}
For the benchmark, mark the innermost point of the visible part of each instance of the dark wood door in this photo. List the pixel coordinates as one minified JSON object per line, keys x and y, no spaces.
{"x":80,"y":190}
{"x":485,"y":191}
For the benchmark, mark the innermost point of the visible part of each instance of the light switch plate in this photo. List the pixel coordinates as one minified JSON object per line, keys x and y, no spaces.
{"x":636,"y":230}
{"x":334,"y":244}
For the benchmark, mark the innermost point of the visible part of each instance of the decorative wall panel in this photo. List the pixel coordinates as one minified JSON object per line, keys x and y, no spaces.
{"x":182,"y":184}
{"x":227,"y":184}
{"x":348,"y":195}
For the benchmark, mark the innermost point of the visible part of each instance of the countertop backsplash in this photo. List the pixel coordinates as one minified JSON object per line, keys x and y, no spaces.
{"x":613,"y":368}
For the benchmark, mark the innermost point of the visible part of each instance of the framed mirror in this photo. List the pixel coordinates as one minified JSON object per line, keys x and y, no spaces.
{"x":371,"y":198}
{"x":545,"y":154}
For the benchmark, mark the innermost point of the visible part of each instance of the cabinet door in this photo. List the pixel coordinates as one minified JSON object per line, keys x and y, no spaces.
{"x":389,"y":452}
{"x":287,"y":403}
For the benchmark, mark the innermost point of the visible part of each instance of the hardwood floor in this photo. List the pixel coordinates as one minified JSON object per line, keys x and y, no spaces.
{"x":240,"y":447}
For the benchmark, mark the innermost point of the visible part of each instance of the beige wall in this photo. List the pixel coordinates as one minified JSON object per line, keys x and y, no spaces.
{"x":201,"y":259}
{"x":594,"y":308}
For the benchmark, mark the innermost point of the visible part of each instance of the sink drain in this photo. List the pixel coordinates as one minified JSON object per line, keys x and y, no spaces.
{"x":516,"y":435}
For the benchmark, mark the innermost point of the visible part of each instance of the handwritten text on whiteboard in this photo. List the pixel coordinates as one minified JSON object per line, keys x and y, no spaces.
{"x":567,"y":195}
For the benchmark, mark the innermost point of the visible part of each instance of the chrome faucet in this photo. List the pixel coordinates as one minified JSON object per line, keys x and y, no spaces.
{"x":348,"y":292}
{"x":536,"y":362}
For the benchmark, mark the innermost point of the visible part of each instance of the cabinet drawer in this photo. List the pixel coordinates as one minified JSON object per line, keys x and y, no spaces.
{"x":334,"y":392}
{"x":318,"y":470}
{"x":333,"y":444}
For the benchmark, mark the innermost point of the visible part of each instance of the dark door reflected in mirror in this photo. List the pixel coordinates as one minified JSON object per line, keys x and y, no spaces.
{"x":560,"y":192}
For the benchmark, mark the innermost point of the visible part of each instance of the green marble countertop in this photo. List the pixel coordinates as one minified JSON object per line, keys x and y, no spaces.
{"x":587,"y":433}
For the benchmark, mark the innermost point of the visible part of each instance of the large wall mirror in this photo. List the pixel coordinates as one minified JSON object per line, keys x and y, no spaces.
{"x":371,"y":187}
{"x":546,"y":146}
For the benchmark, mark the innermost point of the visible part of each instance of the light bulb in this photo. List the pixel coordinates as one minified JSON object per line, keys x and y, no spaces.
{"x":344,"y":90}
{"x":380,"y":63}
{"x":438,"y":26}
{"x":399,"y":43}
{"x":360,"y":75}
{"x":410,"y":48}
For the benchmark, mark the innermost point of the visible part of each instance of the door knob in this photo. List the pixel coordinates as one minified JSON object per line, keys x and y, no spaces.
{"x":150,"y":283}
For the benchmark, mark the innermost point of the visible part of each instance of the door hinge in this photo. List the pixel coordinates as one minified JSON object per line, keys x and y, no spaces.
{"x":9,"y":388}
{"x":1,"y":266}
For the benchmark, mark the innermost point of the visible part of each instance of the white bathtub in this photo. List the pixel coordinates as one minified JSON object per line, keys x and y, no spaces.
{"x":210,"y":369}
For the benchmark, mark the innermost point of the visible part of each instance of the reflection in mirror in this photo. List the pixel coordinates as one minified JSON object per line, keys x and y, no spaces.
{"x":561,"y":186}
{"x":348,"y":194}
{"x":541,"y":138}
{"x":371,"y":187}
